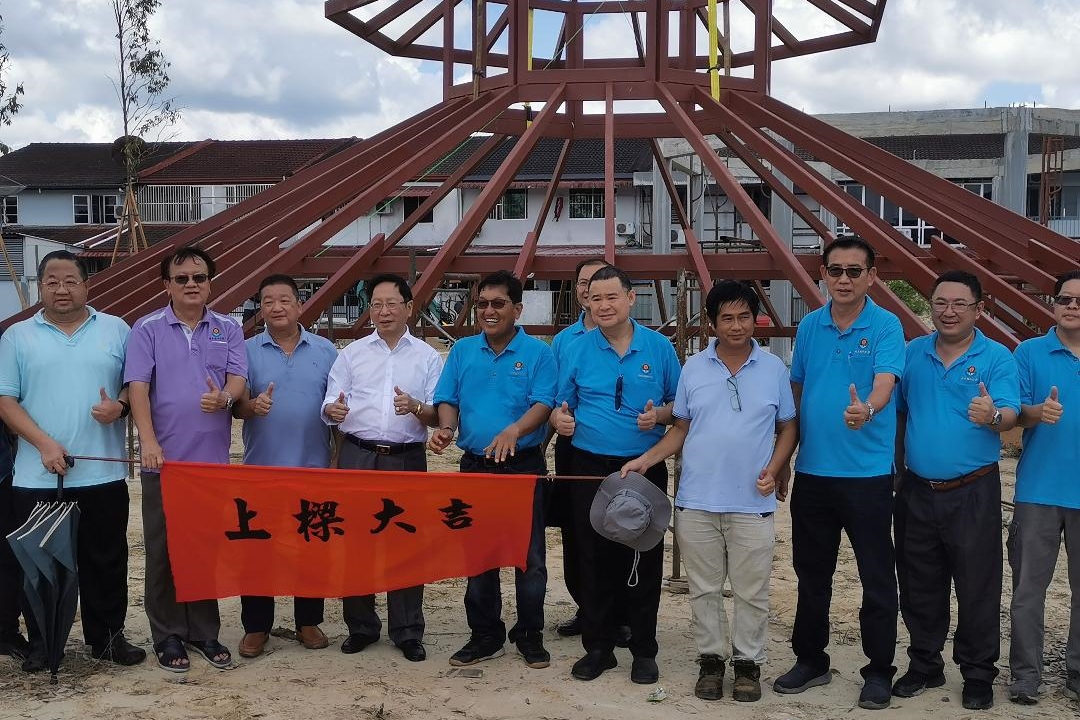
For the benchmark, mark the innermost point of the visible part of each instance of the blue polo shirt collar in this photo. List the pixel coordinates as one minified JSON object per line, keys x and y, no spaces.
{"x":1055,"y":343}
{"x":755,"y":353}
{"x":265,"y":338}
{"x":862,"y":321}
{"x":39,"y":317}
{"x":637,"y":342}
{"x":513,"y":346}
{"x":978,"y":345}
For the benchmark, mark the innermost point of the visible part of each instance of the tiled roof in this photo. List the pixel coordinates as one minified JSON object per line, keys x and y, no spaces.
{"x":243,"y":161}
{"x":1070,"y":142}
{"x":586,"y":159}
{"x":71,"y":234}
{"x":73,"y":165}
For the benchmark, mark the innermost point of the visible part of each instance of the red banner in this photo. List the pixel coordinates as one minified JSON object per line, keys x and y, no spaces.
{"x":250,"y":530}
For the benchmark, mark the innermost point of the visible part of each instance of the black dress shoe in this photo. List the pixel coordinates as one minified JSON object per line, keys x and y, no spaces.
{"x":118,"y":650}
{"x":355,"y":643}
{"x":593,"y":665}
{"x":413,"y":650}
{"x":15,"y":645}
{"x":571,"y":627}
{"x":644,"y":671}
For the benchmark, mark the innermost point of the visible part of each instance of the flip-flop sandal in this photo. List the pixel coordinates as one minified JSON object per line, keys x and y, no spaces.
{"x":210,"y":649}
{"x":169,"y":651}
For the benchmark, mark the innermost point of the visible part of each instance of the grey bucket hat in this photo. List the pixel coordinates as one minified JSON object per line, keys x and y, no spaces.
{"x":631,"y":511}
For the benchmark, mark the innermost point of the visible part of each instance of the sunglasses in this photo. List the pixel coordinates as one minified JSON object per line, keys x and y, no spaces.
{"x":838,"y":270}
{"x":736,"y":401}
{"x":1066,"y":300}
{"x":618,"y":393}
{"x":497,"y":303}
{"x":185,"y":279}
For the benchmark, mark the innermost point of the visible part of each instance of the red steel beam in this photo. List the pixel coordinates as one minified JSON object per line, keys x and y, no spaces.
{"x":528,"y":248}
{"x":693,"y":245}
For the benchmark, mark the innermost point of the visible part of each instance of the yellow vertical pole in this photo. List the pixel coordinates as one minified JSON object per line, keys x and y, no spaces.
{"x":714,"y":70}
{"x":528,"y":66}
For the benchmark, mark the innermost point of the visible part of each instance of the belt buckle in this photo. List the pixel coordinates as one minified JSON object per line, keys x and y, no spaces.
{"x":382,"y":449}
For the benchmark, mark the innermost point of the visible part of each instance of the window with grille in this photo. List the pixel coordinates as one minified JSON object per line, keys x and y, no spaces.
{"x":94,"y":209}
{"x":411,"y":204}
{"x":513,"y":205}
{"x":586,"y":204}
{"x":11,"y":210}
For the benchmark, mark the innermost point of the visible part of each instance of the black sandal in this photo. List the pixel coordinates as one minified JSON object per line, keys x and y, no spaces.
{"x":210,"y":649}
{"x":169,"y":651}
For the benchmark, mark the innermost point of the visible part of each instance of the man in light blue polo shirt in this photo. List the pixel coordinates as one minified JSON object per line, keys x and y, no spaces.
{"x":959,"y":391}
{"x":497,"y":388}
{"x":61,"y":392}
{"x":848,"y":357}
{"x":287,"y":371}
{"x":185,"y":364}
{"x":1047,"y":492}
{"x":735,"y":423}
{"x":614,"y":390}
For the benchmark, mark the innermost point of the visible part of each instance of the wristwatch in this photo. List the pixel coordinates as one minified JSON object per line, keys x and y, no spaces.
{"x":869,"y":411}
{"x":996,"y":419}
{"x":228,"y":400}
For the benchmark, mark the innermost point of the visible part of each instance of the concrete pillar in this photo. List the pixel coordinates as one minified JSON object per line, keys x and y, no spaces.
{"x":783,"y":219}
{"x":1014,"y":182}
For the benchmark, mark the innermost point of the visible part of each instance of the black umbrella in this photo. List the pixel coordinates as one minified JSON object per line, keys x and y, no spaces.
{"x":45,"y":546}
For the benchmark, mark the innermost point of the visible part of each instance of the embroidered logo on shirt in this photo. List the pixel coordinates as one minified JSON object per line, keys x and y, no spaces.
{"x":518,"y":366}
{"x":971,"y":370}
{"x":645,"y":368}
{"x":863,"y":343}
{"x":216,"y":335}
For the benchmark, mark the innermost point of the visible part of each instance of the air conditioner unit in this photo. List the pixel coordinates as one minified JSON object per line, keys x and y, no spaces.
{"x":625,"y":228}
{"x":677,"y":238}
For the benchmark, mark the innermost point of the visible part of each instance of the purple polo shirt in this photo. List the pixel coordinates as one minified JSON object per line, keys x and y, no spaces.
{"x":160,"y":352}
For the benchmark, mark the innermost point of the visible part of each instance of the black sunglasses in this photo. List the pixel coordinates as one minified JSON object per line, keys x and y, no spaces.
{"x":618,"y":393}
{"x":497,"y":303}
{"x":736,"y":401}
{"x":838,"y":270}
{"x":184,"y":279}
{"x":1066,"y":300}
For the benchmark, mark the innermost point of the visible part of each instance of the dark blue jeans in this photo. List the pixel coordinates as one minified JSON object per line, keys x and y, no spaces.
{"x":822,"y":508}
{"x":483,"y":597}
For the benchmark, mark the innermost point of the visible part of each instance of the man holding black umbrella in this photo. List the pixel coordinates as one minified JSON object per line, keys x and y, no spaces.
{"x":61,"y":392}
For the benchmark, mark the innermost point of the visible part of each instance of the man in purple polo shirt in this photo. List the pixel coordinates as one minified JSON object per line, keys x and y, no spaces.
{"x":185,"y":364}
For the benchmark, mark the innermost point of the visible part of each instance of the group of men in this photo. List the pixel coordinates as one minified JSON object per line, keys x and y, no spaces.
{"x":892,"y":442}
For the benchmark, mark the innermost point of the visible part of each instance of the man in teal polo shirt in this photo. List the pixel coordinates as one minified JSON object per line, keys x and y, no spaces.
{"x":1047,"y":492}
{"x":959,"y":391}
{"x":613,"y":401}
{"x":848,"y":357}
{"x":497,"y":388}
{"x":61,"y":390}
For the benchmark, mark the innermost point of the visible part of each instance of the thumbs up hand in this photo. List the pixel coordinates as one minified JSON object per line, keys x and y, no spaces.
{"x":404,"y":403}
{"x":1051,"y":407}
{"x":646,"y":420}
{"x":562,"y":419}
{"x":981,"y":409}
{"x":337,"y":410}
{"x":108,"y":410}
{"x":856,"y":414}
{"x":214,"y":398}
{"x":264,"y":401}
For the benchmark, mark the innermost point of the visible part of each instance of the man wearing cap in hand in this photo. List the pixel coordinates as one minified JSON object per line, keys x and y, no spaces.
{"x":379,"y":394}
{"x":735,"y":423}
{"x":287,"y":371}
{"x":498,"y":388}
{"x":614,"y":387}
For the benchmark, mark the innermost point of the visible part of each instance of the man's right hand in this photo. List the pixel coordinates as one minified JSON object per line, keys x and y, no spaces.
{"x":52,"y":457}
{"x":1051,"y":408}
{"x":640,"y":465}
{"x":440,"y":440}
{"x":337,"y":410}
{"x":150,"y":455}
{"x":564,"y":420}
{"x":264,"y":401}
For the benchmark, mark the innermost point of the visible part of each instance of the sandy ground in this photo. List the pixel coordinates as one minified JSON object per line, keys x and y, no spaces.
{"x":291,"y":682}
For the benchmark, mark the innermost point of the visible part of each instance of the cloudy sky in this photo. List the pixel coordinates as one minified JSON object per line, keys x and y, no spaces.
{"x":278,"y":69}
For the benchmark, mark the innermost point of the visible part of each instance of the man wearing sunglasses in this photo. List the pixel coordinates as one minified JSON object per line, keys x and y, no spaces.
{"x":958,"y":393}
{"x":1047,"y":492}
{"x":614,"y":388}
{"x":497,"y":388}
{"x":185,"y":365}
{"x":848,"y":357}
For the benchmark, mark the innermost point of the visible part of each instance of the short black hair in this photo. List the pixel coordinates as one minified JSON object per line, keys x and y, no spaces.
{"x":610,"y":271}
{"x":962,"y":277}
{"x":587,"y":262}
{"x":847,"y":242}
{"x":399,"y":282}
{"x":279,"y":279}
{"x":506,"y":279}
{"x":62,"y":255}
{"x":1062,"y":279}
{"x":184,"y":254}
{"x":730,"y":291}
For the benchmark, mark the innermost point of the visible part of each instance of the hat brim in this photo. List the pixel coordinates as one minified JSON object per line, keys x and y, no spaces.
{"x":659,"y":505}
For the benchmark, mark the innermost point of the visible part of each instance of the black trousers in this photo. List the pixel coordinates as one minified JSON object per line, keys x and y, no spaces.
{"x":10,"y":572}
{"x":102,"y":555}
{"x":604,"y":567}
{"x":257,"y":612}
{"x":822,"y":508}
{"x":944,"y":539}
{"x":560,"y":499}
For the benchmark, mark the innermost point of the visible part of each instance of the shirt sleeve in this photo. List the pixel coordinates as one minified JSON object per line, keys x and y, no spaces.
{"x":681,"y":408}
{"x":1023,"y":371}
{"x":900,"y":396}
{"x":339,"y":380}
{"x":139,"y":358}
{"x":567,"y":384}
{"x":237,"y":362}
{"x":786,"y":407}
{"x":447,"y":390}
{"x":672,"y":371}
{"x":431,"y":380}
{"x":798,"y":353}
{"x":546,"y":379}
{"x":1004,"y":382}
{"x":10,"y":384}
{"x":889,"y":351}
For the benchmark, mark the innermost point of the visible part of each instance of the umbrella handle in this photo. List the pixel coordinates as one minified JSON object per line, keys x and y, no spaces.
{"x":60,"y":478}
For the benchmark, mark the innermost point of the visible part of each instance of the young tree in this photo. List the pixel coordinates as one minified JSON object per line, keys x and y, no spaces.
{"x":9,"y":102}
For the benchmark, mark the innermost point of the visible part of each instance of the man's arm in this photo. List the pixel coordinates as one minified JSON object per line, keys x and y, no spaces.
{"x":20,"y":422}
{"x":151,"y":457}
{"x":448,"y":424}
{"x":665,"y":447}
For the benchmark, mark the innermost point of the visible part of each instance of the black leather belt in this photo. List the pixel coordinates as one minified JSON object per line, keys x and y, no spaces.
{"x":383,"y":448}
{"x":946,"y":485}
{"x":520,"y":455}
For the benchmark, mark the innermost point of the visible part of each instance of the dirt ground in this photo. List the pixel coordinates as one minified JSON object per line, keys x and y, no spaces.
{"x":378,"y":684}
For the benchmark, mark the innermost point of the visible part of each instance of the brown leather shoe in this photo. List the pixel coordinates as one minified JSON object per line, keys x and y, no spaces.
{"x":312,"y":637}
{"x":253,"y":644}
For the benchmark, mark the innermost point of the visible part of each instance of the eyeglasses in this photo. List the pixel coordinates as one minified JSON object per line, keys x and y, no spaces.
{"x":618,"y":393}
{"x":736,"y":402}
{"x":54,"y":285}
{"x":497,"y":303}
{"x":960,"y":306}
{"x":838,"y":270}
{"x":1066,"y":300}
{"x":185,"y":279}
{"x":392,"y":306}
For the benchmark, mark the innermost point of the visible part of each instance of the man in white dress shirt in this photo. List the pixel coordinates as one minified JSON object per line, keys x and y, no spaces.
{"x":379,"y":395}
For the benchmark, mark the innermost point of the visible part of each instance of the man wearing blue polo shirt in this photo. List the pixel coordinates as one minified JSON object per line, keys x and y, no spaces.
{"x":959,"y":391}
{"x":61,"y":390}
{"x":287,"y":370}
{"x":848,"y":357}
{"x":498,"y":389}
{"x":559,"y":498}
{"x":613,"y":392}
{"x":735,"y":423}
{"x":1047,"y":492}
